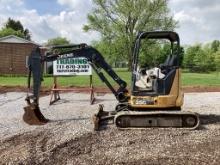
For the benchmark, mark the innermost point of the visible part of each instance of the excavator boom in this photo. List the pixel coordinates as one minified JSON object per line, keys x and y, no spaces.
{"x":32,"y":113}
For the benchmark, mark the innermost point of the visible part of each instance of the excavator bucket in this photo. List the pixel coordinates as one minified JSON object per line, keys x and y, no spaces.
{"x":33,"y":116}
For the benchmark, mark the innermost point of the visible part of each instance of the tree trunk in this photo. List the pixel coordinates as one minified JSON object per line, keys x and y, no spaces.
{"x":130,"y":58}
{"x":129,"y":63}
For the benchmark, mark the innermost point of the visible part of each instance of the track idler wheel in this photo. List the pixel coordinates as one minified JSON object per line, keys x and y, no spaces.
{"x":33,"y":116}
{"x":190,"y":121}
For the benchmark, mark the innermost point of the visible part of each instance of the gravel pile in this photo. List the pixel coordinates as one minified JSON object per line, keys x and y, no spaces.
{"x":70,"y":139}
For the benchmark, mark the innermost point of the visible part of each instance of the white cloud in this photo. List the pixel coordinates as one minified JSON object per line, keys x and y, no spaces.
{"x":7,"y":7}
{"x":182,"y":16}
{"x":198,"y":20}
{"x":67,"y":23}
{"x":80,"y":5}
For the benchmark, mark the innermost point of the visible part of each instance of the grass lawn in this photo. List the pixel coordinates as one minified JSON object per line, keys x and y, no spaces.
{"x":202,"y":79}
{"x":188,"y":79}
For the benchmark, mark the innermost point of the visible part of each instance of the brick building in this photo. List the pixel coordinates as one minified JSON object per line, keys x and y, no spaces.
{"x":14,"y":52}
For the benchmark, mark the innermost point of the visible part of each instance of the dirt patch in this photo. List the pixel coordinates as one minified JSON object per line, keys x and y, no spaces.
{"x":5,"y":89}
{"x":69,"y":137}
{"x":152,"y":146}
{"x":100,"y":90}
{"x":190,"y":89}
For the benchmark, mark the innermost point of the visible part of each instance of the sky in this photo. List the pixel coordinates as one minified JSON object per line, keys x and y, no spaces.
{"x":199,"y":20}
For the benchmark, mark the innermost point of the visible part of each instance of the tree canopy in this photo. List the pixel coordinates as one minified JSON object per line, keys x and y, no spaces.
{"x":13,"y":27}
{"x":57,"y":41}
{"x":9,"y":31}
{"x":217,"y":60}
{"x":202,"y":58}
{"x":119,"y":21}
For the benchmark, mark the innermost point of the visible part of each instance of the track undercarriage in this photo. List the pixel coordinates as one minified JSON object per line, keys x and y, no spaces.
{"x":129,"y":119}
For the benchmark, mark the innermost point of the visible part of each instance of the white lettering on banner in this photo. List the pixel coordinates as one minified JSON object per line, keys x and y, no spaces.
{"x":71,"y":66}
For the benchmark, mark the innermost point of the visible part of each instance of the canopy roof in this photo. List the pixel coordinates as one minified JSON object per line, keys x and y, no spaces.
{"x":172,"y":36}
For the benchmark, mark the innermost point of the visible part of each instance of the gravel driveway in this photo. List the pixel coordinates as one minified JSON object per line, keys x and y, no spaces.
{"x":69,"y":137}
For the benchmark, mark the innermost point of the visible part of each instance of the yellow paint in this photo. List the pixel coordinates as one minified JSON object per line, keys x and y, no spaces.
{"x":174,"y":99}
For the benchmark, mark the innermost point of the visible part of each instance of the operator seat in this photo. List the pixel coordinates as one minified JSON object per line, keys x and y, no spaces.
{"x":169,"y":63}
{"x":169,"y":69}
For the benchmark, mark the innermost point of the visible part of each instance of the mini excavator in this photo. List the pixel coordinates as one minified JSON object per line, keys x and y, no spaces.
{"x":155,"y":98}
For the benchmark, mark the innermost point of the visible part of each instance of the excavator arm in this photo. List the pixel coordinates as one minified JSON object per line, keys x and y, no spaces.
{"x":96,"y":60}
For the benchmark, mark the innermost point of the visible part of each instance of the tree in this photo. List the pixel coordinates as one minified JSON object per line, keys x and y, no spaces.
{"x":9,"y":31}
{"x":204,"y":61}
{"x":119,"y":21}
{"x":189,"y":56}
{"x":199,"y":58}
{"x":181,"y":55}
{"x":57,"y":41}
{"x":110,"y":50}
{"x":17,"y":26}
{"x":217,"y":60}
{"x":215,"y":45}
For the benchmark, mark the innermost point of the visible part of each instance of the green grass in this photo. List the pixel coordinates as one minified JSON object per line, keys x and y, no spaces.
{"x":202,"y":79}
{"x":188,"y":79}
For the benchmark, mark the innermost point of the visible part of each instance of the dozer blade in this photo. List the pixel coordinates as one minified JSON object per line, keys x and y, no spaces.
{"x":33,"y":116}
{"x":159,"y":119}
{"x":101,"y":117}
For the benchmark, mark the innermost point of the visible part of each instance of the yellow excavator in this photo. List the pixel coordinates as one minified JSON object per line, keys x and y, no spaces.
{"x":155,"y":98}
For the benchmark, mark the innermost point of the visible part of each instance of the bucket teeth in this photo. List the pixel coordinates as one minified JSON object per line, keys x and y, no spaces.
{"x":33,"y":116}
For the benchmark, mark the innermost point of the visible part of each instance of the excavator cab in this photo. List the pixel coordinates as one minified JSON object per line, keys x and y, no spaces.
{"x":156,"y":96}
{"x":161,"y":83}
